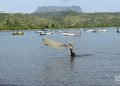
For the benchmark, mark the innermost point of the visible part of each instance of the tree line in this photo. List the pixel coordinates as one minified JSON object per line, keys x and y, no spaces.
{"x":69,"y":19}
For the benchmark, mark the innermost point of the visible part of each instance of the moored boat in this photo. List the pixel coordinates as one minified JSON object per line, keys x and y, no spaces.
{"x":18,"y":33}
{"x":90,"y":30}
{"x":118,"y":30}
{"x":70,"y":34}
{"x":100,"y":30}
{"x":46,"y":33}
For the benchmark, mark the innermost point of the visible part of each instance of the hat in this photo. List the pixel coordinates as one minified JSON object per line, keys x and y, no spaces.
{"x":70,"y":43}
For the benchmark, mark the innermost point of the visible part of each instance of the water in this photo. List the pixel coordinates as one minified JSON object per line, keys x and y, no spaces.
{"x":26,"y":61}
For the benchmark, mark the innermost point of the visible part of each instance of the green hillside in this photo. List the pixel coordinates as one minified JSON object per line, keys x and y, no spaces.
{"x":73,"y":19}
{"x":21,"y":21}
{"x":68,"y":19}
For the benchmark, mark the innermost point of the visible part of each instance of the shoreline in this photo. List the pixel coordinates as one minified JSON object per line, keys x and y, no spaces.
{"x":52,"y":29}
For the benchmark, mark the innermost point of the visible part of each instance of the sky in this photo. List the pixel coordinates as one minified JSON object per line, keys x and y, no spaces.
{"x":28,"y":6}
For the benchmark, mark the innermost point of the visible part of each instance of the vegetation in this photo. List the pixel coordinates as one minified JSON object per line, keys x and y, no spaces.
{"x":21,"y":21}
{"x":69,"y":19}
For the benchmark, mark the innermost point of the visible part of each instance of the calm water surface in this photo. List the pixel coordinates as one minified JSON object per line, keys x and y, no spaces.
{"x":26,"y":61}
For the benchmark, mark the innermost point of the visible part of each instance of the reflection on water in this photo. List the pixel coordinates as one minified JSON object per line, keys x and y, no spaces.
{"x":82,"y":55}
{"x":7,"y":85}
{"x":72,"y":60}
{"x":26,"y":61}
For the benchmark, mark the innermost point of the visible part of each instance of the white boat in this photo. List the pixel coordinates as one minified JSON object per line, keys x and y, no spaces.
{"x":70,"y":34}
{"x":50,"y":33}
{"x":39,"y":31}
{"x":90,"y":30}
{"x":43,"y":33}
{"x":100,"y":30}
{"x":46,"y":33}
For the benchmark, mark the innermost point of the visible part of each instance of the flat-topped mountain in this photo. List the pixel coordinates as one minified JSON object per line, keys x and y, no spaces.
{"x":44,"y":9}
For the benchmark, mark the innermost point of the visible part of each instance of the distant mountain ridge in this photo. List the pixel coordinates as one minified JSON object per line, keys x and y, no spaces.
{"x":44,"y":9}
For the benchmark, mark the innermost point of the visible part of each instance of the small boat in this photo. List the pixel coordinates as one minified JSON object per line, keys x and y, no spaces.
{"x":90,"y":30}
{"x":118,"y":30}
{"x":46,"y":33}
{"x":18,"y":33}
{"x":70,"y":34}
{"x":43,"y":33}
{"x":52,"y":32}
{"x":39,"y":31}
{"x":102,"y":30}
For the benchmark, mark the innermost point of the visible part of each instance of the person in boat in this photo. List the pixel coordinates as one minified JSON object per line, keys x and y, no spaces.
{"x":118,"y":30}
